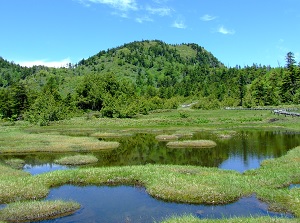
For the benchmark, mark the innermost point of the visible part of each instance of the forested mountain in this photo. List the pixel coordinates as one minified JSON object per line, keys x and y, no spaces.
{"x":138,"y":77}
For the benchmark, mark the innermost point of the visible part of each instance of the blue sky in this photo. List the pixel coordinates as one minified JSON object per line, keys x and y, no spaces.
{"x":237,"y":32}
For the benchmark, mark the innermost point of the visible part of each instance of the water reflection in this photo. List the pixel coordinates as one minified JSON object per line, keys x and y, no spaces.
{"x":38,"y":169}
{"x":294,"y":186}
{"x":245,"y":150}
{"x":129,"y":204}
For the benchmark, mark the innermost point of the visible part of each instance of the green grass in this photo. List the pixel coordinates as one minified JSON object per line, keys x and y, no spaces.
{"x":37,"y":210}
{"x":17,"y":141}
{"x":77,"y":160}
{"x":171,"y":120}
{"x":192,"y":144}
{"x":192,"y":219}
{"x":15,"y":163}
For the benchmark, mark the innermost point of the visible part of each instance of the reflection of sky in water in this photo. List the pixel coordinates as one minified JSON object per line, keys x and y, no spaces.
{"x":129,"y":204}
{"x":294,"y":186}
{"x":239,"y":164}
{"x":38,"y":169}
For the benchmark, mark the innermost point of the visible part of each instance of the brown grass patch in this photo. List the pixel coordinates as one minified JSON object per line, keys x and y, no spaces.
{"x":192,"y":144}
{"x":166,"y":137}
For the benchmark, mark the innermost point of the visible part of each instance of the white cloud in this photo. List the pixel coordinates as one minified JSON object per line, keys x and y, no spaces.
{"x":62,"y":63}
{"x":225,"y":31}
{"x":179,"y":24}
{"x":144,"y":19}
{"x":207,"y":18}
{"x":163,"y":11}
{"x":123,"y":5}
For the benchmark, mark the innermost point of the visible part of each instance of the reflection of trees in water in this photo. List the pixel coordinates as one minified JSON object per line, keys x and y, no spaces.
{"x":261,"y":144}
{"x":143,"y":148}
{"x":33,"y":159}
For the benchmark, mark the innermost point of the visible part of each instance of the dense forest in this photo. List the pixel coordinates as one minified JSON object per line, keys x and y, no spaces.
{"x":139,"y":77}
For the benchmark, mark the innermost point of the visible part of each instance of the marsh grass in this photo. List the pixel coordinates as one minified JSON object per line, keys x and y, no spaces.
{"x":15,"y":163}
{"x":273,"y":178}
{"x":22,"y":142}
{"x":77,"y":160}
{"x":192,"y":144}
{"x":109,"y":135}
{"x":188,"y":184}
{"x":193,"y":219}
{"x":166,"y":137}
{"x":7,"y":172}
{"x":225,"y":134}
{"x":21,"y":188}
{"x":37,"y":210}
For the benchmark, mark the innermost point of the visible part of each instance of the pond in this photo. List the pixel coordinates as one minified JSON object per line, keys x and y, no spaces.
{"x":133,"y":204}
{"x":244,"y":150}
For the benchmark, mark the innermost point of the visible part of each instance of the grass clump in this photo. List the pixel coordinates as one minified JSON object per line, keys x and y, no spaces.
{"x":225,"y":134}
{"x":77,"y":160}
{"x":21,"y":188}
{"x":166,"y":137}
{"x":109,"y":135}
{"x":193,"y":219}
{"x":37,"y":210}
{"x":7,"y":172}
{"x":21,"y":142}
{"x":192,"y":144}
{"x":15,"y":163}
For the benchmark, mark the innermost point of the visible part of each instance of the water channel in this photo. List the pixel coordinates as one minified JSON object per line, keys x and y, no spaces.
{"x":244,"y":150}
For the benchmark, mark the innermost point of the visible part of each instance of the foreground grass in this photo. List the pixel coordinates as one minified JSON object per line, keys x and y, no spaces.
{"x":77,"y":160}
{"x":192,"y":219}
{"x":37,"y":210}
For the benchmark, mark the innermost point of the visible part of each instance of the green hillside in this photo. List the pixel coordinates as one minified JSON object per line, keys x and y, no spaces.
{"x":139,"y":77}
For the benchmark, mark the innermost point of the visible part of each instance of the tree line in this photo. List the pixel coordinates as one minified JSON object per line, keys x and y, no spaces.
{"x":139,"y":77}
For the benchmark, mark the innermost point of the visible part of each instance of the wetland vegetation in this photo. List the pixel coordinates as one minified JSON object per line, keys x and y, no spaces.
{"x":195,"y":184}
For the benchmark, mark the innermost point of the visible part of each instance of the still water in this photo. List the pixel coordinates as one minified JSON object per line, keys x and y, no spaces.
{"x":244,"y":150}
{"x":131,"y":204}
